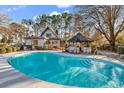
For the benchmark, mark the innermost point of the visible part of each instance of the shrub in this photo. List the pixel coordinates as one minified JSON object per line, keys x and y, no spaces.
{"x":2,"y":50}
{"x":38,"y":48}
{"x":18,"y":48}
{"x":8,"y":49}
{"x":3,"y":45}
{"x":121,"y":49}
{"x":14,"y":49}
{"x":45,"y":47}
{"x":4,"y":40}
{"x":21,"y":47}
{"x":29,"y":47}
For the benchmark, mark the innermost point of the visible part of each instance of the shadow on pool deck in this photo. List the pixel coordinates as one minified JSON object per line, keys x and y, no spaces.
{"x":9,"y":77}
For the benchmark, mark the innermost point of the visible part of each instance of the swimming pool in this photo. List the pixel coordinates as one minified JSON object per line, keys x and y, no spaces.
{"x":70,"y":71}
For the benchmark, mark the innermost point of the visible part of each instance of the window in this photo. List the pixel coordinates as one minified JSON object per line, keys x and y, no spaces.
{"x":35,"y":42}
{"x":48,"y":35}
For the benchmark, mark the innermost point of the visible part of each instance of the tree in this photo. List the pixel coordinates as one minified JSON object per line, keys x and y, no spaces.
{"x":78,"y":20}
{"x":42,"y":20}
{"x":28,"y":23}
{"x":67,"y":18}
{"x":120,"y":39}
{"x":98,"y":38}
{"x":4,"y":20}
{"x":4,"y":39}
{"x":69,"y":22}
{"x":108,"y":20}
{"x":56,"y":21}
{"x":81,"y":26}
{"x":19,"y":30}
{"x":36,"y":28}
{"x":6,"y":31}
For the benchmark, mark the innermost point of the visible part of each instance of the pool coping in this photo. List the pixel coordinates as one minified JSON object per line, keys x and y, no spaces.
{"x":35,"y":83}
{"x":101,"y":57}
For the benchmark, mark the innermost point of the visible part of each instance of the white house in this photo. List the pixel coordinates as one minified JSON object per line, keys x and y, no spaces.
{"x":40,"y":41}
{"x":47,"y":37}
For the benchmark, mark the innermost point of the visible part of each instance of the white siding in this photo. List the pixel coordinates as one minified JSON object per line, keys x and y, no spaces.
{"x":41,"y":42}
{"x":28,"y":42}
{"x":49,"y":32}
{"x":55,"y":43}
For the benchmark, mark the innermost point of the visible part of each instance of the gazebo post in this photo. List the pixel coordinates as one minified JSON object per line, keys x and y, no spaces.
{"x":80,"y":38}
{"x":76,"y":47}
{"x":48,"y":44}
{"x":87,"y":44}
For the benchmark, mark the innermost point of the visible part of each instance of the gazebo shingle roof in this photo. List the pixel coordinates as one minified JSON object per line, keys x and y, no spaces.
{"x":32,"y":37}
{"x":80,"y":38}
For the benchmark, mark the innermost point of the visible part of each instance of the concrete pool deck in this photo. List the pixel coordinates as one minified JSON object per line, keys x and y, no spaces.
{"x":12,"y":78}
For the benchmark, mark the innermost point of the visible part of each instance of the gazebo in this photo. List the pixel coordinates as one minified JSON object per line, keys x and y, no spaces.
{"x":79,"y":38}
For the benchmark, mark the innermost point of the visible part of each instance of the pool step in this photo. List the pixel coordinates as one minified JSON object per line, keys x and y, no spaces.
{"x":86,"y":63}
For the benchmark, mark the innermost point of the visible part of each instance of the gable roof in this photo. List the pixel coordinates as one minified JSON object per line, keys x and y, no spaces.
{"x":48,"y":28}
{"x":80,"y":38}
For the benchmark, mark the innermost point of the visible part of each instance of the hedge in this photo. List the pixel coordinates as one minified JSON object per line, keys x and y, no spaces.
{"x":14,"y":49}
{"x":29,"y":47}
{"x":8,"y":49}
{"x":2,"y":50}
{"x":121,"y":49}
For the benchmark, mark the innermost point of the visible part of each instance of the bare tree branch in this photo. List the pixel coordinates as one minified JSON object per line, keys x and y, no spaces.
{"x":4,"y":20}
{"x":106,"y":17}
{"x":121,"y":28}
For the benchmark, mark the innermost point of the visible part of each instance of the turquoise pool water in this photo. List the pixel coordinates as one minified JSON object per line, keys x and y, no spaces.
{"x":70,"y":71}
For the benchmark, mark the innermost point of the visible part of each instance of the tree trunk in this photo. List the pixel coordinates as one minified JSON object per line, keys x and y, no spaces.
{"x":112,"y":39}
{"x":69,"y":32}
{"x":27,"y":32}
{"x":112,"y":43}
{"x":65,"y":35}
